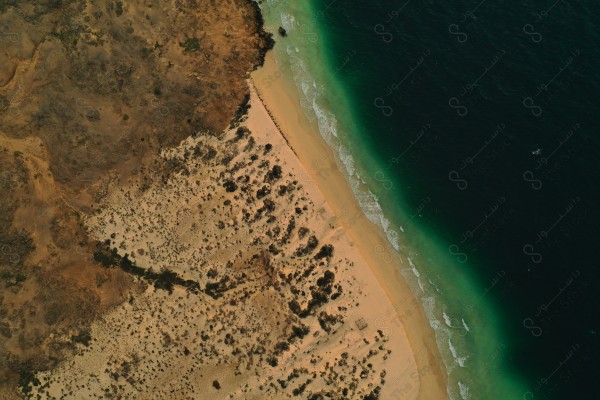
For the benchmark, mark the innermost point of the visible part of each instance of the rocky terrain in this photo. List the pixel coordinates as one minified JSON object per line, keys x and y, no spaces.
{"x":90,"y":92}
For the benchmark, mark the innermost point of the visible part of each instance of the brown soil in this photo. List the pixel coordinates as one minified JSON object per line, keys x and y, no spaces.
{"x":90,"y":92}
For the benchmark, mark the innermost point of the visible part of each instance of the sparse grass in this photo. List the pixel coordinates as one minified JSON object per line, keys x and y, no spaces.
{"x":146,"y":52}
{"x":5,"y":4}
{"x":190,"y":44}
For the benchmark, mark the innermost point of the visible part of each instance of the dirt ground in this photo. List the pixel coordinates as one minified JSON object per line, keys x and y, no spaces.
{"x":90,"y":92}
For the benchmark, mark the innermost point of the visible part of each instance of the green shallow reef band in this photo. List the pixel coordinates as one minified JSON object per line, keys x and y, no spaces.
{"x":323,"y":56}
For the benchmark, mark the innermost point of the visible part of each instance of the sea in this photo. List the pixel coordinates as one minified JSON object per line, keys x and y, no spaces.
{"x":470,"y":133}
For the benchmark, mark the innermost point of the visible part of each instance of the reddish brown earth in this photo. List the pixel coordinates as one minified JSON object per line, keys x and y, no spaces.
{"x":90,"y":91}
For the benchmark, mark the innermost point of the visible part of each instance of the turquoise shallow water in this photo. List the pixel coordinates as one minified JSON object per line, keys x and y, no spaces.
{"x":470,"y":343}
{"x":460,"y":132}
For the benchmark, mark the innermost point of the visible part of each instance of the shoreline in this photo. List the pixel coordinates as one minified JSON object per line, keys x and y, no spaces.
{"x":273,"y":119}
{"x":281,"y":101}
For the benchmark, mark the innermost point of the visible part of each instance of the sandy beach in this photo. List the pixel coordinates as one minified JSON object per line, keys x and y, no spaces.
{"x":280,"y":97}
{"x":172,"y":240}
{"x":259,"y":311}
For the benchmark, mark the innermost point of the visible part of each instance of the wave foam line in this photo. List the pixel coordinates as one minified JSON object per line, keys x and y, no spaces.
{"x":311,"y":93}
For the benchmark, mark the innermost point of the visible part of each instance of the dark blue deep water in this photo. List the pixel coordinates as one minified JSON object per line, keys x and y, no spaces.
{"x":491,"y":110}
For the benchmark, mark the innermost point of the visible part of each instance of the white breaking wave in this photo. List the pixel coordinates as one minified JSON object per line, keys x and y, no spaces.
{"x":465,"y":325}
{"x":457,"y":359}
{"x":328,"y":127}
{"x":313,"y":103}
{"x":327,"y":121}
{"x":464,"y":390}
{"x":288,"y":22}
{"x":447,"y":319}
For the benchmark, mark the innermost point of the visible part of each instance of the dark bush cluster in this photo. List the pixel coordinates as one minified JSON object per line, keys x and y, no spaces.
{"x":262,"y":192}
{"x":298,"y":332}
{"x":230,"y":186}
{"x":165,"y":280}
{"x":274,"y":174}
{"x":82,"y":337}
{"x":325,"y":252}
{"x":26,"y":380}
{"x":295,"y":307}
{"x":326,"y":321}
{"x":216,"y":289}
{"x":311,"y":245}
{"x":374,"y":395}
{"x":241,"y":133}
{"x":241,"y":111}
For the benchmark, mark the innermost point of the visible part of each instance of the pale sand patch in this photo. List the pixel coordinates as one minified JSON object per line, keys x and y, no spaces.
{"x":160,"y":346}
{"x":376,"y":308}
{"x":280,"y":96}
